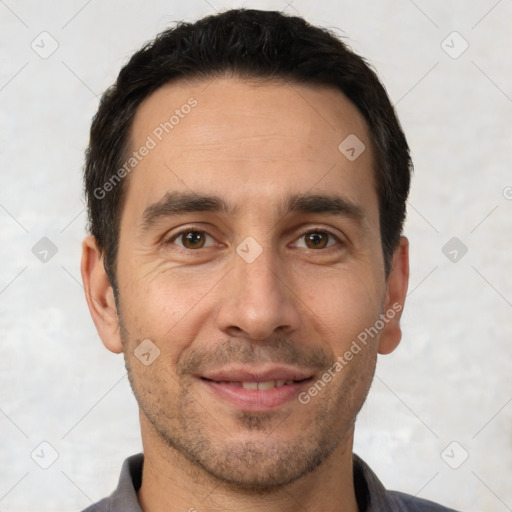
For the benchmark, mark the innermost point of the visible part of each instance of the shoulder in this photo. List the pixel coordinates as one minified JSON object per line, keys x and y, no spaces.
{"x":409,"y":503}
{"x":124,"y":497}
{"x":101,"y":506}
{"x":372,"y":496}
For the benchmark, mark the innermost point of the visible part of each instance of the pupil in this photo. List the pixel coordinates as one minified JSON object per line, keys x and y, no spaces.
{"x":317,"y":239}
{"x":193,"y":238}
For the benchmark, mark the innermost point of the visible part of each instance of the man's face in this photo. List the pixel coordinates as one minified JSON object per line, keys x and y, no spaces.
{"x":271,"y":289}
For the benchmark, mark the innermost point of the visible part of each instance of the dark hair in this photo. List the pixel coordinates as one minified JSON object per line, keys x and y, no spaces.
{"x":247,"y":44}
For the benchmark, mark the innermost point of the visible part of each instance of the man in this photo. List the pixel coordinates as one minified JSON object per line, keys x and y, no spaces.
{"x":246,"y":180}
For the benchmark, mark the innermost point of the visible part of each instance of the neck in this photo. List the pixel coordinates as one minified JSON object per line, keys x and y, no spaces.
{"x":172,"y":483}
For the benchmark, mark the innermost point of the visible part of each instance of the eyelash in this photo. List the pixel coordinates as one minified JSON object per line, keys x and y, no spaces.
{"x":197,"y":229}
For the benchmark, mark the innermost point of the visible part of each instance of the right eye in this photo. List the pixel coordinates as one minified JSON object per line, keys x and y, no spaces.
{"x":190,"y":239}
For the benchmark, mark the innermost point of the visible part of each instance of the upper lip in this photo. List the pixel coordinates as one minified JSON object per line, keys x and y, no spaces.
{"x":256,"y":374}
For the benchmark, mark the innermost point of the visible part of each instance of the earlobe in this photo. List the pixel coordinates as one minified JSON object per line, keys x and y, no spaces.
{"x":100,"y":296}
{"x":398,"y":282}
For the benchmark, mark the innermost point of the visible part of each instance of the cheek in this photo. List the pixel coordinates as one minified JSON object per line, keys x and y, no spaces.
{"x":344,"y":303}
{"x":161,"y":305}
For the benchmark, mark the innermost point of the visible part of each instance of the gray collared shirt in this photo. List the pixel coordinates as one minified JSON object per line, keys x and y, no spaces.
{"x":371,"y":494}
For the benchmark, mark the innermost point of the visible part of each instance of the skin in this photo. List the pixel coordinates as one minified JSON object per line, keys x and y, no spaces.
{"x":252,"y":144}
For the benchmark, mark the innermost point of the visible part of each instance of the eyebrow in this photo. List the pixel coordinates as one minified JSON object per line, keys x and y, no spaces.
{"x":321,"y":203}
{"x":174,"y":204}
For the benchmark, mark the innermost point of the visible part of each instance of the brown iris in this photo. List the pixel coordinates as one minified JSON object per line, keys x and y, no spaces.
{"x":316,"y":240}
{"x":193,"y":239}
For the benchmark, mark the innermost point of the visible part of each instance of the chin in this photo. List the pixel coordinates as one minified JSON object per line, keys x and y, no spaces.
{"x":259,"y":465}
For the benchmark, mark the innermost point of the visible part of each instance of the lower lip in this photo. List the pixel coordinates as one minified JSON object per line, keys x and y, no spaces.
{"x":256,"y":399}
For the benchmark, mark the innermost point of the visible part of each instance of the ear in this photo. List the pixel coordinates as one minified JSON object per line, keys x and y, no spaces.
{"x":100,"y":295}
{"x":398,"y":281}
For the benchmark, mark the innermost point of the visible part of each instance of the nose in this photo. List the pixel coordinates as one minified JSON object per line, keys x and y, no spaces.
{"x":258,"y":299}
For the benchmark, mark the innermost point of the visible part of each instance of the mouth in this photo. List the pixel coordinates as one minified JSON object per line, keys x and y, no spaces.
{"x":262,"y":386}
{"x":255,"y":390}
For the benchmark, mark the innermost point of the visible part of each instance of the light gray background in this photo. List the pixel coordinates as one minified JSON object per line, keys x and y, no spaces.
{"x":449,"y":380}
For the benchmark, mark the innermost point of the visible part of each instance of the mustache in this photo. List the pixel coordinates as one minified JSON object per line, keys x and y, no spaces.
{"x":239,"y":351}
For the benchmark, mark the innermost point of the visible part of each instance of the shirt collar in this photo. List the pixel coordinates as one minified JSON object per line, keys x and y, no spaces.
{"x":370,"y":493}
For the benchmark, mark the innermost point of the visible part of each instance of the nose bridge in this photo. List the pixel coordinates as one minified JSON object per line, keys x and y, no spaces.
{"x":256,"y":260}
{"x":258,"y":272}
{"x":261,"y":274}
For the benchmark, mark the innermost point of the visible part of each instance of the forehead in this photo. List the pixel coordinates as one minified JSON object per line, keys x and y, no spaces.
{"x":246,"y":139}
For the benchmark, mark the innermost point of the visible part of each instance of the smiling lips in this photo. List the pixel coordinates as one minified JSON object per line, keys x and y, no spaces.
{"x":268,"y":384}
{"x":256,"y":390}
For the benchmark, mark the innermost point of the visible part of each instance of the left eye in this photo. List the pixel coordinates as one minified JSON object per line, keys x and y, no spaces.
{"x":191,"y":239}
{"x":318,"y":240}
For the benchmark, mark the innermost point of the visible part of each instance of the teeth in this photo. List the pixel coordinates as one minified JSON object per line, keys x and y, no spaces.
{"x":269,"y":384}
